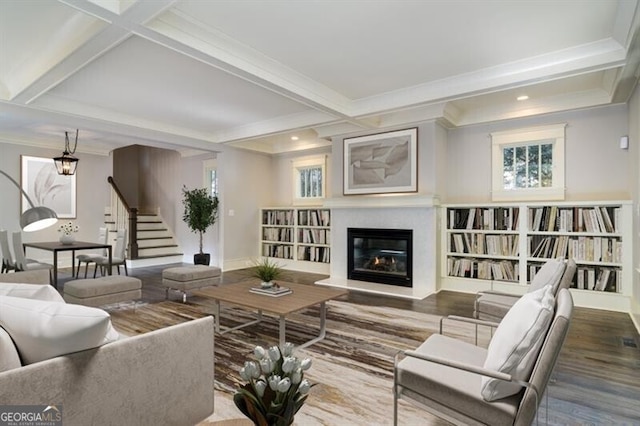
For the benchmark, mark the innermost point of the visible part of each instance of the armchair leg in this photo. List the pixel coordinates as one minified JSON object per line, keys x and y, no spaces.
{"x":125,"y":268}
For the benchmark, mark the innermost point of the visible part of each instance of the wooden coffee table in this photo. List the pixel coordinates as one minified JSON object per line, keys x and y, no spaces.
{"x":303,"y":296}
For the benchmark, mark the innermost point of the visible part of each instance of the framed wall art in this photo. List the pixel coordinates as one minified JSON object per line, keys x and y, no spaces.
{"x":40,"y":180}
{"x":381,"y":163}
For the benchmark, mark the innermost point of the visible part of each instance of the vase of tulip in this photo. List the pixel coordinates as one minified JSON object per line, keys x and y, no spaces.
{"x":276,"y":388}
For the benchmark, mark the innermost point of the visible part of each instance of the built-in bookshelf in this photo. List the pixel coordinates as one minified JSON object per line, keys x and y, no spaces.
{"x":301,"y":236}
{"x":501,"y":247}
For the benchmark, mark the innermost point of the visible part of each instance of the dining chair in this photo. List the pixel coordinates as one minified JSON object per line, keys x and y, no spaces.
{"x":87,"y":258}
{"x":21,"y":260}
{"x":8,"y":264}
{"x":8,"y":261}
{"x":118,"y":256}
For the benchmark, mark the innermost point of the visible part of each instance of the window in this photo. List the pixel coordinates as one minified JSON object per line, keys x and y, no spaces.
{"x":309,"y":180}
{"x":211,"y":177}
{"x":528,"y":164}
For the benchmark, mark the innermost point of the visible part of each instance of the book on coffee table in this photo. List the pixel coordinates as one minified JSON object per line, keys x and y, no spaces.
{"x":271,"y":291}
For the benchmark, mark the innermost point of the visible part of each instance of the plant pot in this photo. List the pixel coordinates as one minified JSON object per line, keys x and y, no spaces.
{"x":201,"y":259}
{"x":67,"y":239}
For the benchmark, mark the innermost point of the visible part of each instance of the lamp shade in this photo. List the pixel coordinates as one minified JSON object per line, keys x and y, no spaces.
{"x":37,"y":218}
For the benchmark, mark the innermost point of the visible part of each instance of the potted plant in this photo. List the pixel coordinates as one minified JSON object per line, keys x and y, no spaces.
{"x":275,"y":387}
{"x":267,"y":271}
{"x":200,"y":212}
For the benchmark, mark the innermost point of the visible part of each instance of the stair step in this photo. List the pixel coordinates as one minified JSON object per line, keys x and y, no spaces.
{"x":160,"y":246}
{"x":154,"y":238}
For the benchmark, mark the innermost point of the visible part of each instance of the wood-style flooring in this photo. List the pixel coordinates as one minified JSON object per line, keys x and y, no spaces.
{"x":596,"y":381}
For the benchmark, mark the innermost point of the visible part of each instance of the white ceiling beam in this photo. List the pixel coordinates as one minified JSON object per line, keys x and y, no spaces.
{"x":145,"y":134}
{"x":602,"y":55}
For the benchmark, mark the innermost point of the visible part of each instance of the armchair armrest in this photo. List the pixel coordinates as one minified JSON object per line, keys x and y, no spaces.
{"x":467,"y":367}
{"x":460,"y":366}
{"x":474,"y":321}
{"x":498,"y":293}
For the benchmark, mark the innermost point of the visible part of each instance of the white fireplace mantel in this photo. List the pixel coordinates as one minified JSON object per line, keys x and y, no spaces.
{"x":382,"y":201}
{"x":417,"y":213}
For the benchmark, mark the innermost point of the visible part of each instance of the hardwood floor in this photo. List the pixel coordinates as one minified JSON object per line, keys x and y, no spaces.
{"x":596,"y":381}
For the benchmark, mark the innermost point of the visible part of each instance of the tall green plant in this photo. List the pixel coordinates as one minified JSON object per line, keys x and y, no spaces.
{"x":200,"y":210}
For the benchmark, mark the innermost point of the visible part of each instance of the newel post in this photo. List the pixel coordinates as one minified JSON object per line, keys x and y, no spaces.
{"x":133,"y":233}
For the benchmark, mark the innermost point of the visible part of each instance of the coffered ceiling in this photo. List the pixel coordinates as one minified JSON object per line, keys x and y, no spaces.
{"x":193,"y":74}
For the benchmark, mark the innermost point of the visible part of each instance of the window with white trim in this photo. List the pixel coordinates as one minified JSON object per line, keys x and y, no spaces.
{"x":309,"y":180}
{"x":528,"y":164}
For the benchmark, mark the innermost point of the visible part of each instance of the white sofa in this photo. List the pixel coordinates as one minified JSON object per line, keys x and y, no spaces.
{"x":161,"y":377}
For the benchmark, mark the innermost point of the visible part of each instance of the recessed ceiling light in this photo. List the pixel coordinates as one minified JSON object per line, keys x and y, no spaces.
{"x":522,"y":98}
{"x":294,"y":138}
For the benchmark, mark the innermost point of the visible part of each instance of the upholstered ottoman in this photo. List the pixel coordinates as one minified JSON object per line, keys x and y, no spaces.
{"x":103,"y":290}
{"x":184,"y":278}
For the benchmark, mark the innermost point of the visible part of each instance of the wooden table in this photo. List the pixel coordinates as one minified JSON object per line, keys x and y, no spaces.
{"x":303,"y":296}
{"x":57,"y":246}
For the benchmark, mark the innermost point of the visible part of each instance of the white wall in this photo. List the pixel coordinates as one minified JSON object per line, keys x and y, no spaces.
{"x":92,"y":196}
{"x":596,"y":168}
{"x":634,"y":154}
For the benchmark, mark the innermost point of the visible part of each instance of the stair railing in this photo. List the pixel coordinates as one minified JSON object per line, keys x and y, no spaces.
{"x":124,"y":217}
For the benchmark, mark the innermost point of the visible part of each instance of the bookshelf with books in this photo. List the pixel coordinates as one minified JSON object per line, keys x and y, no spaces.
{"x":302,"y":237}
{"x":596,"y":236}
{"x":501,"y":247}
{"x":314,"y":235}
{"x":481,"y":246}
{"x":277,"y":229}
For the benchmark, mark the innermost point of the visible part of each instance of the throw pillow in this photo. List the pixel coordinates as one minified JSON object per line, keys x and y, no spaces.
{"x":44,"y":329}
{"x":31,"y":291}
{"x":516,"y":343}
{"x":9,"y":357}
{"x":549,"y":274}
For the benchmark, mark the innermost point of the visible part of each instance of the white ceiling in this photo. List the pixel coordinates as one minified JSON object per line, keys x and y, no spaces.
{"x":192,"y":74}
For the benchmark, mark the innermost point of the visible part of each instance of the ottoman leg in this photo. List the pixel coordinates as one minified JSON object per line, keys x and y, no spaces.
{"x":184,"y":297}
{"x":166,"y":293}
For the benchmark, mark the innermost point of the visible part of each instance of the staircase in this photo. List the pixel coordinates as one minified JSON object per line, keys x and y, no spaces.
{"x":156,"y":243}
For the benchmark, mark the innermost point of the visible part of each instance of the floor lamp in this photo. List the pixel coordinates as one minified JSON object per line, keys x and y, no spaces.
{"x":34,"y":218}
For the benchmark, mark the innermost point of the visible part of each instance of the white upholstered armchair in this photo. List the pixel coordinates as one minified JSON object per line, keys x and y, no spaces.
{"x":500,"y":385}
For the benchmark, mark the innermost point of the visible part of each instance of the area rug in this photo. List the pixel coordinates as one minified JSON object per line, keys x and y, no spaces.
{"x":352,"y":367}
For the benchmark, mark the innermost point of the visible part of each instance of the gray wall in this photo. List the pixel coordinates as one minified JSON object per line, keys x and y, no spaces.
{"x":282,"y":193}
{"x":92,"y":196}
{"x":595,"y":167}
{"x":246,"y":184}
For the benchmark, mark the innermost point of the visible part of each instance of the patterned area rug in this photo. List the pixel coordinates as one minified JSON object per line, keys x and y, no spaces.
{"x":352,"y":366}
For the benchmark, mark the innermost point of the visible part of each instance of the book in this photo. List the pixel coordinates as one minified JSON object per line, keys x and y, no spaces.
{"x":271,"y":291}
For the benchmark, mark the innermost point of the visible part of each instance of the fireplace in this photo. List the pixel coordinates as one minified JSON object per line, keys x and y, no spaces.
{"x":380,"y":255}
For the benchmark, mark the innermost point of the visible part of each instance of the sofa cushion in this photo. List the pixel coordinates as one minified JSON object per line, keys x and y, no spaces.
{"x":9,"y":357}
{"x":517,"y":341}
{"x":549,"y":274}
{"x":44,"y":329}
{"x":31,"y":291}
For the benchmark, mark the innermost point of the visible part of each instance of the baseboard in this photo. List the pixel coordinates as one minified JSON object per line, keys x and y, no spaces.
{"x":234,"y":264}
{"x":635,"y":314}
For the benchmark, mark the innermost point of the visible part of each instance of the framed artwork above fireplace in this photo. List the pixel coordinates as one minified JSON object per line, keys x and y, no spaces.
{"x":381,"y":163}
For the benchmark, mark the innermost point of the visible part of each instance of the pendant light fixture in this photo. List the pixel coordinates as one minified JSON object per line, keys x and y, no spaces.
{"x":67,"y":163}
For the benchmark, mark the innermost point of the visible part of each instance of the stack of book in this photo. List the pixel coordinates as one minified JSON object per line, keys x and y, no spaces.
{"x":273,"y":291}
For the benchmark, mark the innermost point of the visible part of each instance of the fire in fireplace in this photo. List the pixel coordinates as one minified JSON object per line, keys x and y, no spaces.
{"x":380,"y":255}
